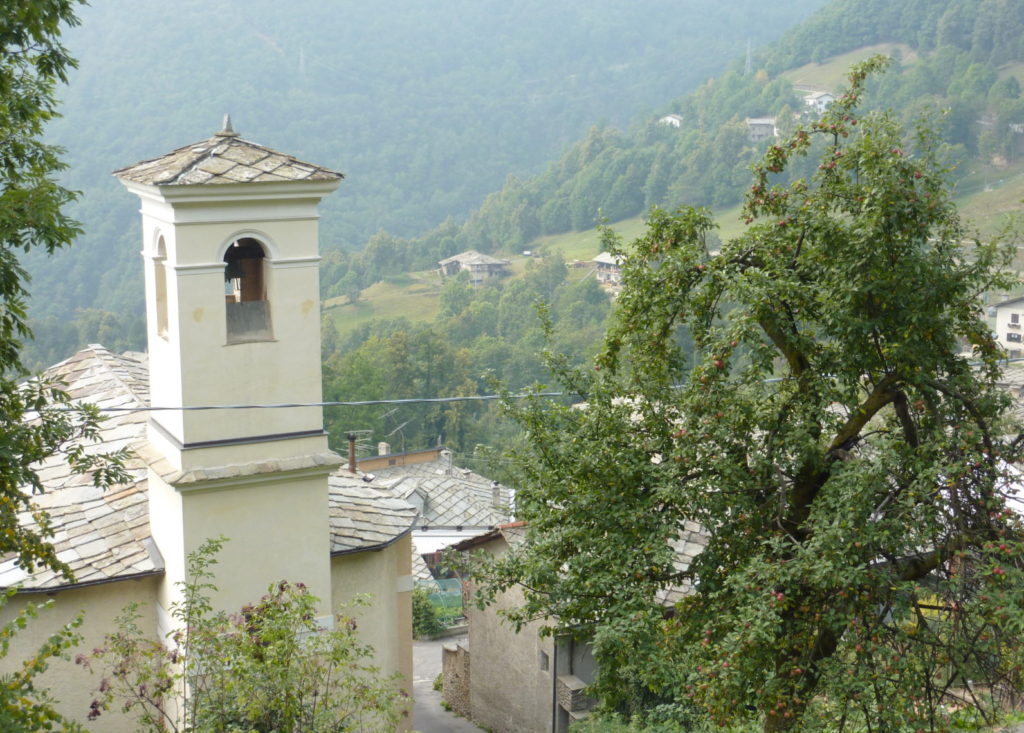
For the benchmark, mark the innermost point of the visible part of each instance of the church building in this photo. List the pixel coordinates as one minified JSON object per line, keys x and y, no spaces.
{"x":230,"y":251}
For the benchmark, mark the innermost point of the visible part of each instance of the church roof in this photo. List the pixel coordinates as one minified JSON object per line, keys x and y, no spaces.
{"x":365,"y":515}
{"x":104,"y":535}
{"x":100,"y":534}
{"x":223,"y":158}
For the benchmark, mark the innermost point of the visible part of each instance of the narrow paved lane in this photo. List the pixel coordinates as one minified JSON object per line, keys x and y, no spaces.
{"x":427,"y":714}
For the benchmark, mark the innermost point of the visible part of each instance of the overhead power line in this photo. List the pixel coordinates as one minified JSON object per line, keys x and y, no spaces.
{"x":334,"y":403}
{"x":404,"y":401}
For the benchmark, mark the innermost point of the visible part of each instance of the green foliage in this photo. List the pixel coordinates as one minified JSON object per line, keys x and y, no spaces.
{"x":24,"y":706}
{"x":426,"y":621}
{"x":847,"y":463}
{"x":481,"y":334}
{"x":269,"y":667}
{"x":32,"y":62}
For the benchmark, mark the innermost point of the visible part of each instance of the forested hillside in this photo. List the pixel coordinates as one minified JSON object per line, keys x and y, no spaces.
{"x":958,"y":62}
{"x":426,"y":107}
{"x":951,"y":65}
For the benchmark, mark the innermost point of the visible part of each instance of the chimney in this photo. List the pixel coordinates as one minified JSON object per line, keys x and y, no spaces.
{"x":495,"y":494}
{"x":446,"y":461}
{"x":352,"y":452}
{"x":383,"y":448}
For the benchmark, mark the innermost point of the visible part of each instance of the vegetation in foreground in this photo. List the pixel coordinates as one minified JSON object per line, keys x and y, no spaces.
{"x":847,"y":462}
{"x":269,"y":667}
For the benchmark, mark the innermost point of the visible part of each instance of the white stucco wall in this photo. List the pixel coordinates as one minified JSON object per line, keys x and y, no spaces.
{"x":192,"y":363}
{"x":277,"y":528}
{"x":386,"y":624}
{"x":71,"y":684}
{"x":1007,"y":329}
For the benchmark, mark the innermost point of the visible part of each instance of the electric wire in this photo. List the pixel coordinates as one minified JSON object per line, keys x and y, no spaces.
{"x":393,"y":401}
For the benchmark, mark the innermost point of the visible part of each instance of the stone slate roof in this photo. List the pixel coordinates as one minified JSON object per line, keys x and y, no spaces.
{"x":223,"y":158}
{"x":691,"y":540}
{"x":472,"y":257}
{"x":365,"y":515}
{"x":104,"y":535}
{"x":451,"y":496}
{"x":1011,"y":301}
{"x":688,"y":544}
{"x":606,"y":258}
{"x":101,"y":534}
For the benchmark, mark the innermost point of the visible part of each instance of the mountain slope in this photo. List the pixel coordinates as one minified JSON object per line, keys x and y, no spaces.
{"x":424,"y":106}
{"x":956,"y":62}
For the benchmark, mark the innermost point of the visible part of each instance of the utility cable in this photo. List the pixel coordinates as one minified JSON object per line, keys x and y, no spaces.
{"x":370,"y":403}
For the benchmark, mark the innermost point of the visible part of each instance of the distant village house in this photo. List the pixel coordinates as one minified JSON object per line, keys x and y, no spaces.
{"x":1009,"y":315}
{"x":760,"y":129}
{"x":608,"y":269}
{"x":480,"y":267}
{"x":671,"y":120}
{"x":819,"y":101}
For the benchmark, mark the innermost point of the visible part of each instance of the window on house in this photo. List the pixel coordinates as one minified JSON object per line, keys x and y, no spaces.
{"x":544,"y":662}
{"x":1013,"y":337}
{"x":160,"y":286}
{"x":245,"y":292}
{"x":1015,"y":318}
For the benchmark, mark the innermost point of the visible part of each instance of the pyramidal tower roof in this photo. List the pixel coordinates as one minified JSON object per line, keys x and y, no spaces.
{"x":224,"y":158}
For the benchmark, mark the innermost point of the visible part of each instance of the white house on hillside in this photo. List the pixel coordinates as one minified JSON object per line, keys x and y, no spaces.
{"x":819,"y":101}
{"x":230,"y":251}
{"x":608,"y":270}
{"x":1009,"y":326}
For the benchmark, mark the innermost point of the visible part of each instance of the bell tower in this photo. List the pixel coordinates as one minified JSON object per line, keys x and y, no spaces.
{"x":230,"y":246}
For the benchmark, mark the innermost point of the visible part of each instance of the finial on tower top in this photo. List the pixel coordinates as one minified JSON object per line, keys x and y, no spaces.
{"x":228,"y":131}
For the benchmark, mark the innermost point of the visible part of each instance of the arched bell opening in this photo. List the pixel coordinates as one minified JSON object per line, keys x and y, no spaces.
{"x":245,"y":292}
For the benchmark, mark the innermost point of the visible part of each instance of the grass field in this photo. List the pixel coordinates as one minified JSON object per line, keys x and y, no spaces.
{"x":991,"y":198}
{"x":584,"y":245}
{"x":832,"y":74}
{"x":413,"y":296}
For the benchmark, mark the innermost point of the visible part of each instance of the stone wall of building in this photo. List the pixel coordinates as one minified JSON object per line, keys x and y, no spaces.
{"x":455,"y":675}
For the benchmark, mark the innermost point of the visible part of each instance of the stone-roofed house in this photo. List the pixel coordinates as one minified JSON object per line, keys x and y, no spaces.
{"x":524,"y":682}
{"x":230,"y":254}
{"x":760,"y":129}
{"x":480,"y":267}
{"x":454,"y":503}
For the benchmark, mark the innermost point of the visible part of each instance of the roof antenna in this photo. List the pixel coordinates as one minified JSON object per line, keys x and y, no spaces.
{"x":228,"y":130}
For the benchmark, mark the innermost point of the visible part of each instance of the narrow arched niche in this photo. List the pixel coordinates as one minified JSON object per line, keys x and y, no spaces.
{"x":245,"y":292}
{"x":160,"y":286}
